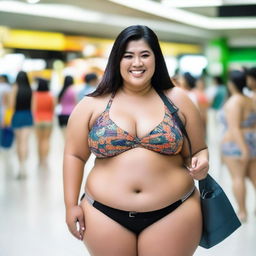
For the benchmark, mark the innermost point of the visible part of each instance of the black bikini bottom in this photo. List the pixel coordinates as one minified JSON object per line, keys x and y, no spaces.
{"x":135,"y":221}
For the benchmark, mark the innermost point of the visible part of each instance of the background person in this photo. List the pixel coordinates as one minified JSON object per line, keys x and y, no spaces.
{"x":43,"y":111}
{"x":188,"y":82}
{"x":202,"y":100}
{"x":22,"y":120}
{"x":91,"y":81}
{"x":239,"y":139}
{"x":5,"y":117}
{"x":251,"y":81}
{"x":67,"y":101}
{"x":220,"y":95}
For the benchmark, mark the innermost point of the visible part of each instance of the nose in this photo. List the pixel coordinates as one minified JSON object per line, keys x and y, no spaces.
{"x":137,"y":62}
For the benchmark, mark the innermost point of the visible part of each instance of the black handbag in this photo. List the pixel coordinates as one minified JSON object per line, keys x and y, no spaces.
{"x":219,"y":217}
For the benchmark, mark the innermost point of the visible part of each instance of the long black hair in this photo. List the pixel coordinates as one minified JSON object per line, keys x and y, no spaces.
{"x":238,"y":78}
{"x":112,"y":79}
{"x":251,"y":72}
{"x":190,"y":80}
{"x":24,"y":93}
{"x":68,"y":81}
{"x":43,"y":85}
{"x":22,"y":80}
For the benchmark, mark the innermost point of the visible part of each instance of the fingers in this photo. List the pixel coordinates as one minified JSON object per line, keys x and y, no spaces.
{"x":74,"y":231}
{"x":199,"y":174}
{"x":194,"y":162}
{"x":81,"y":227}
{"x":75,"y":221}
{"x":199,"y":169}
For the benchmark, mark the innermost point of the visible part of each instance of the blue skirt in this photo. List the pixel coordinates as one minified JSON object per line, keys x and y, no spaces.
{"x":22,"y":118}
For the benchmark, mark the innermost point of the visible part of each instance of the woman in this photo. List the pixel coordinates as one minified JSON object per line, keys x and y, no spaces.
{"x":188,"y":83}
{"x":5,"y":111}
{"x":22,"y":120}
{"x":202,"y":100}
{"x":239,"y":140}
{"x":220,"y":95}
{"x":139,"y":198}
{"x":251,"y":83}
{"x":67,"y":101}
{"x":43,"y":110}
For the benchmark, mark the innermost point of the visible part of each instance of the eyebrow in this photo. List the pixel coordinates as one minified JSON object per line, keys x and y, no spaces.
{"x":145,"y":51}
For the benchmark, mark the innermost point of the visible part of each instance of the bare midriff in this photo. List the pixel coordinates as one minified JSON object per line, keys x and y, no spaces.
{"x":139,"y":180}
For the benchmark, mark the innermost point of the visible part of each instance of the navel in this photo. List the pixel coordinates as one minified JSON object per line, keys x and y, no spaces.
{"x":137,"y":191}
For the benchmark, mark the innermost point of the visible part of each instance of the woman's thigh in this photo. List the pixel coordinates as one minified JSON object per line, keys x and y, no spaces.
{"x":105,"y":237}
{"x":177,"y":234}
{"x":236,"y":167}
{"x":22,"y":135}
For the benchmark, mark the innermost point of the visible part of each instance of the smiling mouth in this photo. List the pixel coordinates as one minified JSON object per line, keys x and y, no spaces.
{"x":137,"y":72}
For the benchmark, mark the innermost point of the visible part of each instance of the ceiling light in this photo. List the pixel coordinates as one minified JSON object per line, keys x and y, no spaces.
{"x":33,"y":1}
{"x":189,"y":18}
{"x":204,"y":3}
{"x":192,"y":3}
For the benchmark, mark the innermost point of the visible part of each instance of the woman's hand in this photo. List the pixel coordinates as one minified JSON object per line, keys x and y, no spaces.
{"x":199,"y":167}
{"x":75,"y":215}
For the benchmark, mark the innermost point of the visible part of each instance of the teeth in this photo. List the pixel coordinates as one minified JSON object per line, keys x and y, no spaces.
{"x":137,"y":71}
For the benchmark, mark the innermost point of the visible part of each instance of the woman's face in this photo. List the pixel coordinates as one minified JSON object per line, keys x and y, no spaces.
{"x":251,"y":82}
{"x":137,"y":65}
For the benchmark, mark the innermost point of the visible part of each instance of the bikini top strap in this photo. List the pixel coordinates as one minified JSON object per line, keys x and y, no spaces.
{"x":110,"y":101}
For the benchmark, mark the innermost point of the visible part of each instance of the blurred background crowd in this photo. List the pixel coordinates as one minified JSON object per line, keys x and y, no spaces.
{"x":53,"y":53}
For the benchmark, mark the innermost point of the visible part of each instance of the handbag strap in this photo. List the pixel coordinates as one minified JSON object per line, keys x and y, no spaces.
{"x":174,"y":111}
{"x":168,"y":103}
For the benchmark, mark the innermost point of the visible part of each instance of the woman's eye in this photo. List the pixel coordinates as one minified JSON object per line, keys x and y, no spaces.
{"x":145,"y":56}
{"x":127,"y":56}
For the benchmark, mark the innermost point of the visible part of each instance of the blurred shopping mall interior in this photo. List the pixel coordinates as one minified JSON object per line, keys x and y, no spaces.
{"x":55,"y":38}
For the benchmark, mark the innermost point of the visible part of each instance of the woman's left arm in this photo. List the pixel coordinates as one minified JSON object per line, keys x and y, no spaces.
{"x":189,"y":114}
{"x":199,"y":164}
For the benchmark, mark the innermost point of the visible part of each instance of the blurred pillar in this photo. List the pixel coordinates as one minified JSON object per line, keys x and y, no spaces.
{"x":217,"y":53}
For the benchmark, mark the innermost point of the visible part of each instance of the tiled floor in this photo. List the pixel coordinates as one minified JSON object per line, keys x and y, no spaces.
{"x":32,"y":212}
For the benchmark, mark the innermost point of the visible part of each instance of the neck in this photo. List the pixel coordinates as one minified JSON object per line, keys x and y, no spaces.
{"x":235,"y":92}
{"x":142,"y":91}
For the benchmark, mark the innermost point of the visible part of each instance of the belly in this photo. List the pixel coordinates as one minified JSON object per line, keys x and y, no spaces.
{"x":139,"y":180}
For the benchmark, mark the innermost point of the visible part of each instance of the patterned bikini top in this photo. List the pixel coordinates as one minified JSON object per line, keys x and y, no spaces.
{"x":107,"y":139}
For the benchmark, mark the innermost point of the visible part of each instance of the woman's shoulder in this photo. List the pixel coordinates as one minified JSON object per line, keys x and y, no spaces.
{"x":88,"y":107}
{"x":235,"y":101}
{"x":96,"y":99}
{"x":92,"y":103}
{"x":179,"y":97}
{"x":175,"y":92}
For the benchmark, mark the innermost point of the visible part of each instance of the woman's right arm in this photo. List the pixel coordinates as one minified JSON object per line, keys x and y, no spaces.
{"x":76,"y":153}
